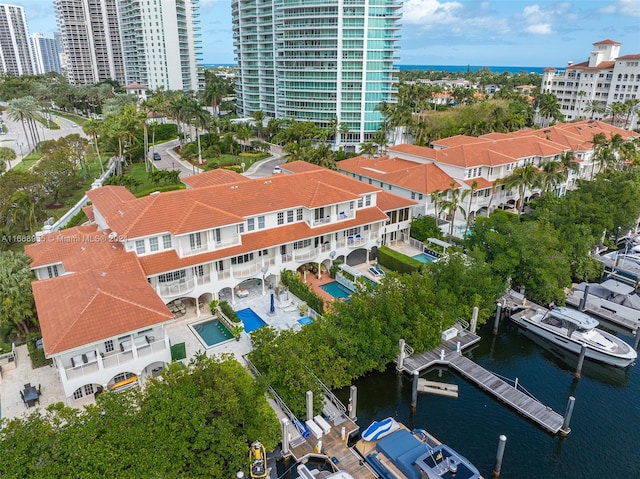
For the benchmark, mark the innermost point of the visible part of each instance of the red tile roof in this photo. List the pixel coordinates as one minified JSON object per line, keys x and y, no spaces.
{"x":96,"y":304}
{"x":388,"y":202}
{"x":420,"y":151}
{"x":456,"y":141}
{"x":585,"y":65}
{"x":607,"y":42}
{"x":634,"y":56}
{"x":218,"y":176}
{"x":166,"y":212}
{"x":300,"y":166}
{"x":481,"y":183}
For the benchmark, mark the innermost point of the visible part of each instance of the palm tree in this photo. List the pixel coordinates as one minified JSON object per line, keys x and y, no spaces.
{"x":523,"y":177}
{"x":605,"y":159}
{"x":92,"y":128}
{"x":437,"y":197}
{"x":368,"y":148}
{"x":343,"y":129}
{"x":452,"y":206}
{"x":243,"y":133}
{"x":380,"y":140}
{"x":200,"y":118}
{"x":552,"y":175}
{"x":632,"y":106}
{"x":549,"y":108}
{"x":213,"y":93}
{"x":259,"y":117}
{"x":473,"y":188}
{"x":24,"y":110}
{"x":598,"y":141}
{"x":594,"y":106}
{"x":293,"y":151}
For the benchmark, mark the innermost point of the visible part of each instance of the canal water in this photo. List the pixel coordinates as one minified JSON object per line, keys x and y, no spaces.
{"x":605,"y":427}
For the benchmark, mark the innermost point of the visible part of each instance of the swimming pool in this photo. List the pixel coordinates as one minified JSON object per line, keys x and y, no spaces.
{"x":336,"y":290}
{"x":250,"y":320}
{"x":305,"y":320}
{"x":424,"y":258}
{"x":212,"y":332}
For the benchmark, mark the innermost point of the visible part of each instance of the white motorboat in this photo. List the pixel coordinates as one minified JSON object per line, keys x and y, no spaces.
{"x":571,"y":329}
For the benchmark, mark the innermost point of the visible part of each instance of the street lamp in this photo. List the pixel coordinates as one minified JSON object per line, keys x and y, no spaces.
{"x":20,"y":146}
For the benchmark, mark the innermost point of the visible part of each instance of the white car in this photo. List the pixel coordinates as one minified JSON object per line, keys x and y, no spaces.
{"x":277,"y":169}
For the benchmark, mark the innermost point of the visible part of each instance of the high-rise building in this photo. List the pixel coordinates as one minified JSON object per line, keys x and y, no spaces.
{"x":90,"y":40}
{"x":605,"y":78}
{"x":160,"y":43}
{"x":320,"y":61}
{"x":15,"y":49}
{"x":151,"y":42}
{"x":46,"y":54}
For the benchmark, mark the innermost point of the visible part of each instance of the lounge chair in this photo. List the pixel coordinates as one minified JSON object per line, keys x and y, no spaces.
{"x":290,"y":309}
{"x":284,"y":304}
{"x":374,"y":272}
{"x":378,"y":269}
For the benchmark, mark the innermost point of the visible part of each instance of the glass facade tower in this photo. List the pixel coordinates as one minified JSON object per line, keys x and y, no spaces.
{"x":317,"y":60}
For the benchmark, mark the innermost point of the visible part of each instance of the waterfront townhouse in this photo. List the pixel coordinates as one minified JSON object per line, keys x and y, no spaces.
{"x":479,"y":164}
{"x":105,"y":291}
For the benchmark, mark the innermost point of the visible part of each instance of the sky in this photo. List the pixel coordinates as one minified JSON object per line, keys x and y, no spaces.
{"x":462,"y":32}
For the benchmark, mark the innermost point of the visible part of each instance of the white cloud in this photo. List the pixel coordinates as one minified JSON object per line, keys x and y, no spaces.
{"x":537,"y":20}
{"x":539,"y":29}
{"x":625,"y":7}
{"x":431,"y":12}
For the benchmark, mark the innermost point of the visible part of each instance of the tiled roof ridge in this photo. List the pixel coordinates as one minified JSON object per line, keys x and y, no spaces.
{"x":198,"y":204}
{"x":132,"y":222}
{"x":318,"y":193}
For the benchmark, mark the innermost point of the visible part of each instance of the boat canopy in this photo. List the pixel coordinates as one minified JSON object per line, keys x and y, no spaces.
{"x":580,"y":319}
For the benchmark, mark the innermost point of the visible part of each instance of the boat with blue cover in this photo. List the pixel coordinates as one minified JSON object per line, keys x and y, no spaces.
{"x":405,"y":454}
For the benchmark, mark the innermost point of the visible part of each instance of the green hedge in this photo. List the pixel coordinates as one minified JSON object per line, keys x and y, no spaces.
{"x":397,"y":261}
{"x":292,"y":281}
{"x":160,"y":189}
{"x":76,"y":220}
{"x":37,"y":355}
{"x":229,"y":312}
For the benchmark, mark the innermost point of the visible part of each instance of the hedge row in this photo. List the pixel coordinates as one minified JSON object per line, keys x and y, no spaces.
{"x":160,"y":189}
{"x":292,"y":281}
{"x":229,"y":312}
{"x":397,"y":261}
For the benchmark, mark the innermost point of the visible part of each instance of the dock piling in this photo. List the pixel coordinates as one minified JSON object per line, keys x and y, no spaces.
{"x":583,"y":301}
{"x":565,"y":429}
{"x":583,"y":352}
{"x":309,"y":405}
{"x":474,"y":320}
{"x":501,"y":445}
{"x":636,"y":339}
{"x":414,"y":390}
{"x":497,"y":320}
{"x":284,"y":423}
{"x":353,"y":399}
{"x":400,"y":356}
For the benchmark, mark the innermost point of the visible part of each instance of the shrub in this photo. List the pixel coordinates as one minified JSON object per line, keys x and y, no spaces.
{"x":334,"y":269}
{"x":397,"y":261}
{"x":292,"y":281}
{"x":76,"y":220}
{"x":160,"y":189}
{"x":229,"y":312}
{"x":164,"y":131}
{"x":37,"y":355}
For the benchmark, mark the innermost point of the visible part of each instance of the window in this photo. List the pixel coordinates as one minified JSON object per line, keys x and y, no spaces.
{"x":173,"y":276}
{"x":216,"y":232}
{"x":299,"y":214}
{"x":88,"y":389}
{"x":251,"y":224}
{"x":290,"y":216}
{"x":140,"y":247}
{"x":166,"y":241}
{"x":260,"y":222}
{"x":413,"y":195}
{"x":108,"y":345}
{"x":77,"y":394}
{"x":52,"y":271}
{"x":241,"y":228}
{"x":198,"y":270}
{"x":360,"y":202}
{"x":302,"y":244}
{"x":280,"y":218}
{"x":243,"y":258}
{"x":153,"y":244}
{"x":367,"y":200}
{"x":195,"y":241}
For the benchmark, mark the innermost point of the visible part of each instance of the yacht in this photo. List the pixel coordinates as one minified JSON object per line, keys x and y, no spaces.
{"x":571,"y":329}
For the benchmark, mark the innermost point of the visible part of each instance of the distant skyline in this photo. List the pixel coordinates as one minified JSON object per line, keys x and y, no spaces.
{"x":492,"y":33}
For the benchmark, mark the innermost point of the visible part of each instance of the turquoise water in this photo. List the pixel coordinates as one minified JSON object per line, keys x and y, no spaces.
{"x":424,"y":258}
{"x":305,"y":320}
{"x":605,"y":427}
{"x":250,"y":320}
{"x":212,"y":332}
{"x":336,"y":290}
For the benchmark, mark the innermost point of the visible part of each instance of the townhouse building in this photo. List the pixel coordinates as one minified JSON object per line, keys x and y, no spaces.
{"x":477,"y":164}
{"x":104,"y":290}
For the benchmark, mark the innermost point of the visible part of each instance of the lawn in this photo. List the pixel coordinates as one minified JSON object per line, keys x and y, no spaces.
{"x":28,"y":161}
{"x":80,"y":120}
{"x":229,"y":160}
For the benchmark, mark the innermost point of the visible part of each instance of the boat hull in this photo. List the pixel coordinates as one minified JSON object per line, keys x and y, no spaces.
{"x":571,"y":344}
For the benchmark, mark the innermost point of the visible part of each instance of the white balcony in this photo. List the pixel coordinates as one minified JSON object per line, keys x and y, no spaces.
{"x":176,"y":288}
{"x":357,"y":240}
{"x":193,"y":251}
{"x":305,"y":254}
{"x":322,"y":221}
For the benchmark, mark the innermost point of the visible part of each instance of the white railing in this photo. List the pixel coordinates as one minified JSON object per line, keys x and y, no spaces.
{"x":322,"y":221}
{"x":205,"y":278}
{"x":224,"y":274}
{"x":235,"y":240}
{"x":305,"y":255}
{"x":345,"y":215}
{"x":285,"y":258}
{"x":248,"y":270}
{"x":341,"y":243}
{"x":194,"y":251}
{"x":357,"y":240}
{"x":176,"y":287}
{"x":80,"y":371}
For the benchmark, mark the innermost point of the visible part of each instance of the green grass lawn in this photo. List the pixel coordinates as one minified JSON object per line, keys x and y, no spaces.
{"x":28,"y":161}
{"x":80,"y":120}
{"x":228,"y":160}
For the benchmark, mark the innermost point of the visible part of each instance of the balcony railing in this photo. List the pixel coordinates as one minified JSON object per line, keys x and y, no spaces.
{"x":357,"y":240}
{"x":321,"y":221}
{"x":176,"y":288}
{"x":305,"y":255}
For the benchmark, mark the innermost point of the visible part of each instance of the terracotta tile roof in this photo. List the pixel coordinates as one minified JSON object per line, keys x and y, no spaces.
{"x":585,"y":65}
{"x":300,"y":166}
{"x":482,"y":183}
{"x":78,"y":249}
{"x":110,"y":197}
{"x":607,"y":42}
{"x":165,"y":212}
{"x":633,"y":56}
{"x":388,"y":201}
{"x":88,"y":211}
{"x":87,"y":307}
{"x":578,"y":136}
{"x":455,"y":141}
{"x":218,"y":176}
{"x":420,"y":177}
{"x":420,"y":151}
{"x":154,"y":264}
{"x":549,"y":69}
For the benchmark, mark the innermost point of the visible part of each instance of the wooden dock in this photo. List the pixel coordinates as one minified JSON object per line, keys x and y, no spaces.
{"x":334,"y":446}
{"x":525,"y":405}
{"x":596,"y":309}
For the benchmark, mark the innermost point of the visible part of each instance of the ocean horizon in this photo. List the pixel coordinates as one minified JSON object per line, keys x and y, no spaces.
{"x":448,"y":68}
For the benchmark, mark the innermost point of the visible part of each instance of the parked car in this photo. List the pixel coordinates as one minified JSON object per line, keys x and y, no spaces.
{"x":156,"y":156}
{"x":277,"y":170}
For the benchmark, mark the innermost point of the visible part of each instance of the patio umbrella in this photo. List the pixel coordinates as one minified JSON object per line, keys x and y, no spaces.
{"x":272,"y":310}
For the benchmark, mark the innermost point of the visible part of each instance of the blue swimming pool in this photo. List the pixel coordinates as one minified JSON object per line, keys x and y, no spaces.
{"x":212,"y":332}
{"x":424,"y":258}
{"x":250,"y":320}
{"x":336,"y":290}
{"x":305,"y":320}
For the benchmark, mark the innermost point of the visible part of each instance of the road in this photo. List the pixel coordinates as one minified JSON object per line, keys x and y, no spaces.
{"x":16,"y":140}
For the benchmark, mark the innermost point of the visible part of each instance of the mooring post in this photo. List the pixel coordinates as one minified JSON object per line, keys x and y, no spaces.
{"x":239,"y":475}
{"x":565,"y":429}
{"x":284,"y":423}
{"x":400,"y":356}
{"x":474,"y":320}
{"x":501,"y":445}
{"x":583,"y":301}
{"x":309,"y":405}
{"x":414,"y":390}
{"x":583,"y":352}
{"x":636,"y":339}
{"x":353,"y":399}
{"x":515,"y":383}
{"x":497,"y":320}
